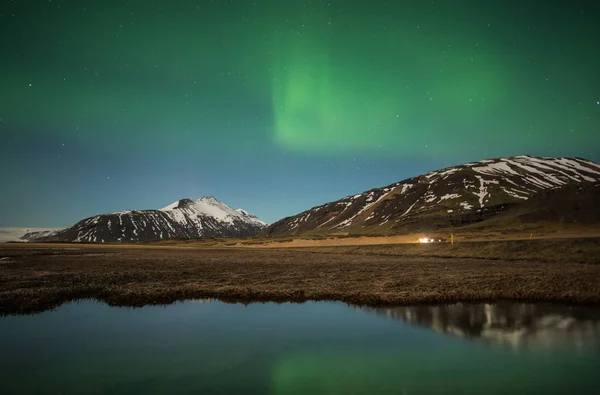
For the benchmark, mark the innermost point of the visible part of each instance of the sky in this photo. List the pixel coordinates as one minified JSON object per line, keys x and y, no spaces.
{"x":278,"y":106}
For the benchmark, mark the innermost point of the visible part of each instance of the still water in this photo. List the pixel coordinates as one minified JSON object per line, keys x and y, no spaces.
{"x":209,"y":347}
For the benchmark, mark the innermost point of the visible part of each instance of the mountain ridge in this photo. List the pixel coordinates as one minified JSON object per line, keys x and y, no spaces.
{"x":445,"y":198}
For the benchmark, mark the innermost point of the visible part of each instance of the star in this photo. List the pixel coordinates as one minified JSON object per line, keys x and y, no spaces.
{"x":313,"y":102}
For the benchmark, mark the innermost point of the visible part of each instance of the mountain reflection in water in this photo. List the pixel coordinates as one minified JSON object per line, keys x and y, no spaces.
{"x":512,"y":324}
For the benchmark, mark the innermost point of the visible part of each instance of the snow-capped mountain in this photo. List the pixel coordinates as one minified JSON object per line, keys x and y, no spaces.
{"x":449,"y":197}
{"x":23,"y":234}
{"x":36,"y":234}
{"x":183,"y":219}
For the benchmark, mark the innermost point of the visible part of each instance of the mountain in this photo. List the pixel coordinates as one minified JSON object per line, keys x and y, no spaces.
{"x":37,"y":234}
{"x":184,"y":219}
{"x":458,"y":196}
{"x":22,"y":234}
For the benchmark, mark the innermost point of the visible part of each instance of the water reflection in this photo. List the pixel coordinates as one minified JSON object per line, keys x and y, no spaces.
{"x":510,"y":324}
{"x":316,"y":348}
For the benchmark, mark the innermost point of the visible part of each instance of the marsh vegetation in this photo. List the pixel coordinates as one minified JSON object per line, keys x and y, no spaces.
{"x":34,"y":278}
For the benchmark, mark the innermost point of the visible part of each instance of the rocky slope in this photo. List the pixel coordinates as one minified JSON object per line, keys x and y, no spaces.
{"x":184,"y":219}
{"x":447,"y":198}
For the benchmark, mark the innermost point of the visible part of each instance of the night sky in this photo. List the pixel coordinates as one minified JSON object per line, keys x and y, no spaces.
{"x":277,"y":106}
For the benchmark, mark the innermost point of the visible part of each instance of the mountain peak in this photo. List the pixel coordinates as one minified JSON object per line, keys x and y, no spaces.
{"x":208,"y":199}
{"x":184,"y":202}
{"x":209,"y":206}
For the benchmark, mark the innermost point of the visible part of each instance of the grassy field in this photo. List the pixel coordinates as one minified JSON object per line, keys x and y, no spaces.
{"x":39,"y":277}
{"x":350,"y":239}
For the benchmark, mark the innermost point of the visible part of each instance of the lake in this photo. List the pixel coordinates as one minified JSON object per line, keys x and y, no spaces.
{"x":212,"y":347}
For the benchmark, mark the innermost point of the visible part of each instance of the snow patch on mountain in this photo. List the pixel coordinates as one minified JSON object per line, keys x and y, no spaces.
{"x":410,"y":208}
{"x":450,"y":196}
{"x":466,"y":205}
{"x":365,"y":208}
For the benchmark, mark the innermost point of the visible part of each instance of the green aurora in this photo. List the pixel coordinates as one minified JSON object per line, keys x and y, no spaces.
{"x":343,"y":78}
{"x":379,"y":83}
{"x":239,"y":98}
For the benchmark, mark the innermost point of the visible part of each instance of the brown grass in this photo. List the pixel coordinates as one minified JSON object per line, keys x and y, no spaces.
{"x":40,"y":277}
{"x":312,"y":240}
{"x":547,"y":250}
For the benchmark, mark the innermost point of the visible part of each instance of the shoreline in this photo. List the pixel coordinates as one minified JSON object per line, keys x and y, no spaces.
{"x":349,"y":300}
{"x":36,"y":278}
